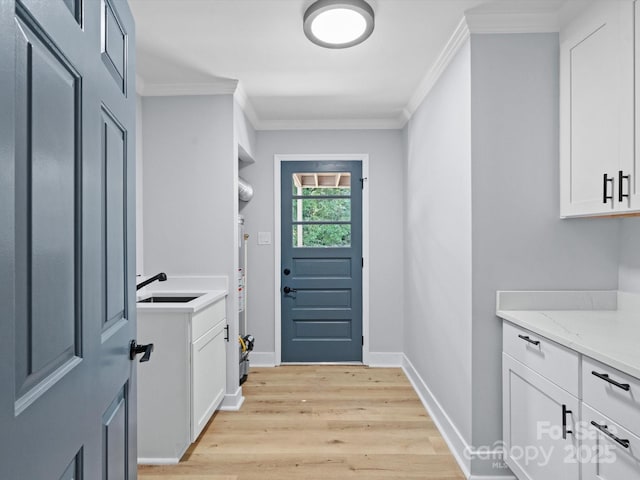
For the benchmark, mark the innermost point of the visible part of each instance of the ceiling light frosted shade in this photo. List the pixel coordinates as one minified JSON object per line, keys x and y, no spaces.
{"x":338,"y":23}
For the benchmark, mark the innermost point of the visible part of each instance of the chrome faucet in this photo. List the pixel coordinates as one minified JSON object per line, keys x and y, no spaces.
{"x":161,"y":277}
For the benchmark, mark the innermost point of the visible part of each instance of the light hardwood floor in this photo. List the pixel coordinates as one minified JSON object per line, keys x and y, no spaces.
{"x":318,"y":422}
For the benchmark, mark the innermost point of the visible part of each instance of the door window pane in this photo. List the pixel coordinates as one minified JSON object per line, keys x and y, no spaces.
{"x":321,"y":210}
{"x":325,"y":235}
{"x":322,"y":184}
{"x":321,"y":197}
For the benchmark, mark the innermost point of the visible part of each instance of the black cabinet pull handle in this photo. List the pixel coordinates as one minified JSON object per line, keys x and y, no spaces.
{"x":288,"y":290}
{"x":604,"y":429}
{"x":621,"y":178}
{"x":527,"y":339}
{"x":564,"y":422}
{"x":605,"y":182}
{"x":605,"y":377}
{"x":226,"y":332}
{"x":135,"y":349}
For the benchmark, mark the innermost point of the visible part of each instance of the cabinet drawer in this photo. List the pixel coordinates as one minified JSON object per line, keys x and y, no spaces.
{"x":619,"y":402}
{"x":549,"y":359}
{"x":603,"y":457}
{"x":206,"y":319}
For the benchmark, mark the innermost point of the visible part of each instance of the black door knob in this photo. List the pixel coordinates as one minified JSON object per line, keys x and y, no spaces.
{"x":135,"y":349}
{"x":286,"y":271}
{"x":289,"y":290}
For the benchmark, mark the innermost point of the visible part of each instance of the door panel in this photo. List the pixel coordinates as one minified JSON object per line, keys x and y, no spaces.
{"x":47,"y":115}
{"x":321,"y":261}
{"x":114,"y":153}
{"x":115,"y":437}
{"x":74,"y":470}
{"x":66,"y":244}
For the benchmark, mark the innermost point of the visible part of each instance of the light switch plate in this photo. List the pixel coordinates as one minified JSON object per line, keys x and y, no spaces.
{"x":264,"y":238}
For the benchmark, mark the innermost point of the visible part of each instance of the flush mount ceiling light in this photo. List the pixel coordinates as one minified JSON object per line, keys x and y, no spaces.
{"x":338,"y":23}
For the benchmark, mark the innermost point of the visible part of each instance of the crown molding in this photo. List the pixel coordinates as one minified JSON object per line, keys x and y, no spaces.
{"x":218,"y":87}
{"x":480,"y":23}
{"x":512,"y":22}
{"x":246,"y":106}
{"x":334,"y":124}
{"x":473,"y":22}
{"x":139,"y":85}
{"x":457,"y":39}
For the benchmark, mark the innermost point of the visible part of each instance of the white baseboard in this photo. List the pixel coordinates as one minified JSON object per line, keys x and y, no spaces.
{"x":262,"y":359}
{"x":374,"y":359}
{"x":385,"y":359}
{"x":460,"y":448}
{"x":158,"y":461}
{"x":232,"y":401}
{"x":494,"y":477}
{"x":448,"y":430}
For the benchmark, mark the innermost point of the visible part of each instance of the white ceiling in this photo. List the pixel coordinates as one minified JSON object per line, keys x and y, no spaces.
{"x":207,"y":46}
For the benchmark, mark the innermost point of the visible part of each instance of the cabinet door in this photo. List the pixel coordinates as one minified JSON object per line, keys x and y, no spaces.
{"x":533,"y":413}
{"x":603,"y":457}
{"x":596,"y":107}
{"x":208,"y":377}
{"x":633,"y":169}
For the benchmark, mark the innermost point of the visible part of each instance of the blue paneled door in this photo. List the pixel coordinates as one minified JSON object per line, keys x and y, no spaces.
{"x":67,"y":240}
{"x":321,"y":271}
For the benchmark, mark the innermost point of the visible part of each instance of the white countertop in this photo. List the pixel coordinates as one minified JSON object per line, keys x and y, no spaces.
{"x":207,"y":290}
{"x":602,"y":325}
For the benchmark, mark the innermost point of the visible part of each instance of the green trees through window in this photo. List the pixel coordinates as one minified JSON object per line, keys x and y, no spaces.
{"x":325,"y":205}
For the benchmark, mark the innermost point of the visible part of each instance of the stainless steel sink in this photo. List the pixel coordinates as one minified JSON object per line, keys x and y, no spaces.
{"x":164,"y":299}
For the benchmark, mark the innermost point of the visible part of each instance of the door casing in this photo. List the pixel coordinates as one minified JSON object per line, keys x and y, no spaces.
{"x":278,"y":159}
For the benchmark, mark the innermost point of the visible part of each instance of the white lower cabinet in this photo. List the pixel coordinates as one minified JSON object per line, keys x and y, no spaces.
{"x":539,"y":421}
{"x":183,"y":384}
{"x":208,"y":384}
{"x":550,"y":433}
{"x":609,"y":451}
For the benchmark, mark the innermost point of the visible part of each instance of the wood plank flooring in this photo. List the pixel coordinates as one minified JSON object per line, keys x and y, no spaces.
{"x":318,"y":422}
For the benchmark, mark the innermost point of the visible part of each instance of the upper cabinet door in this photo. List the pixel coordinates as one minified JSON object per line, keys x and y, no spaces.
{"x":633,"y":182}
{"x":596,"y":109}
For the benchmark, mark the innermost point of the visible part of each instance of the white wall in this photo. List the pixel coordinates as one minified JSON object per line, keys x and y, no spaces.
{"x":519,"y":242}
{"x":139,"y":190}
{"x":188,"y":142}
{"x":629,"y":269}
{"x":437,"y":334}
{"x":385,"y":183}
{"x":488,"y":222}
{"x":190,"y":197}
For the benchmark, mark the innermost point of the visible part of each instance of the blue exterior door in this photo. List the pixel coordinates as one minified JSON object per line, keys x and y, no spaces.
{"x":321,"y":271}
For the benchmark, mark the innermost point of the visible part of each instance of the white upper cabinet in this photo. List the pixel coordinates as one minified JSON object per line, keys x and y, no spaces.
{"x":597,"y":109}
